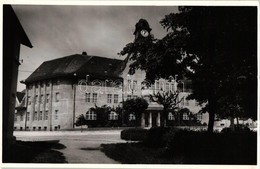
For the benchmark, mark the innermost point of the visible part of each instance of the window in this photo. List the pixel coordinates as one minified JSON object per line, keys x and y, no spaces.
{"x":57,"y":96}
{"x":172,"y":87}
{"x":88,"y":97}
{"x":109,"y":98}
{"x":48,"y":84}
{"x":36,"y":99}
{"x":129,"y":97}
{"x":185,"y":116}
{"x":42,"y":99}
{"x":94,"y":97}
{"x":171,"y":116}
{"x":35,"y":115}
{"x":46,"y":115}
{"x":47,"y":98}
{"x":131,"y":117}
{"x":28,"y":116}
{"x":199,"y":116}
{"x":115,"y":98}
{"x":161,"y":86}
{"x":91,"y":115}
{"x":40,"y":116}
{"x":15,"y":117}
{"x":21,"y":117}
{"x":56,"y":115}
{"x":134,"y":84}
{"x":157,"y":85}
{"x":29,"y":100}
{"x":112,"y":116}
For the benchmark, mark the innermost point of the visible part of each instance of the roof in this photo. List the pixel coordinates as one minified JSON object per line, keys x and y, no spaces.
{"x":77,"y":65}
{"x":20,"y":96}
{"x":13,"y":26}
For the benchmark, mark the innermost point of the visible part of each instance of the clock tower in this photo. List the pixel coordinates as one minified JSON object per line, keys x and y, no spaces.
{"x":142,"y":30}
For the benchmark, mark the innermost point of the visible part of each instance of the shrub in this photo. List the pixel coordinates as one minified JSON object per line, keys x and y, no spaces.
{"x":134,"y":134}
{"x":155,"y":136}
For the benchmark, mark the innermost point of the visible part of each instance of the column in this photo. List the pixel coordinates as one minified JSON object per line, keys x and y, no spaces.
{"x":150,"y":120}
{"x":143,"y":120}
{"x":158,"y":119}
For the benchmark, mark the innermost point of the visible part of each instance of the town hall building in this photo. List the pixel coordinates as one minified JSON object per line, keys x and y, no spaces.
{"x":60,"y":90}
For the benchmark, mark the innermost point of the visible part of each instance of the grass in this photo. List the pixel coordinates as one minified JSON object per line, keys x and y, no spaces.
{"x":34,"y":152}
{"x":189,"y":148}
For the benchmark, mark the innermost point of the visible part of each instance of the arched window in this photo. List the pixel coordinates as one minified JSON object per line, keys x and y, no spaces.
{"x":171,"y":116}
{"x":131,"y":117}
{"x":112,"y":116}
{"x":91,"y":115}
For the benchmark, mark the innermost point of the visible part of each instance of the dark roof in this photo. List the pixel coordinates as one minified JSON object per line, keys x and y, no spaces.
{"x":20,"y":96}
{"x":77,"y":65}
{"x":13,"y":26}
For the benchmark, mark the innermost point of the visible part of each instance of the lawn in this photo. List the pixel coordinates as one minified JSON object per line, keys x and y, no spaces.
{"x":35,"y":152}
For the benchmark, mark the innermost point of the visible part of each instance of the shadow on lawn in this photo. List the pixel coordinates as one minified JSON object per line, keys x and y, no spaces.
{"x":35,"y":152}
{"x":188,"y":147}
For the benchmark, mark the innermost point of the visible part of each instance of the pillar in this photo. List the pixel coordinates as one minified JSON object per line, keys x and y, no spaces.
{"x":150,"y":120}
{"x":143,"y":120}
{"x":158,"y":119}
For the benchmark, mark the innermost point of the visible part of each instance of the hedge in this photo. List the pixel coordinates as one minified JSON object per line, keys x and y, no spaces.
{"x":134,"y":134}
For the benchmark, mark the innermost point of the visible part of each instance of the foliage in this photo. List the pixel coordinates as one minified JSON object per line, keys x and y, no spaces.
{"x":168,"y":99}
{"x":134,"y":134}
{"x":102,"y":114}
{"x":81,"y":120}
{"x":136,"y":106}
{"x":216,"y":48}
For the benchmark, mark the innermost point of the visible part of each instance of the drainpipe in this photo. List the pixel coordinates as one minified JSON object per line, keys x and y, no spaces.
{"x":74,"y":104}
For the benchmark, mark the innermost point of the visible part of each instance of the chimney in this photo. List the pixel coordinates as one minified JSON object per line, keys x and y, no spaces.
{"x":84,"y":53}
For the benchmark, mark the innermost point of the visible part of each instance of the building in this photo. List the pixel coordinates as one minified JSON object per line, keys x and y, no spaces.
{"x":13,"y":36}
{"x":60,"y":90}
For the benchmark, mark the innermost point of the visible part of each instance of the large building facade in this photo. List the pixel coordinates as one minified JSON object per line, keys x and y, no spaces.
{"x":60,"y":90}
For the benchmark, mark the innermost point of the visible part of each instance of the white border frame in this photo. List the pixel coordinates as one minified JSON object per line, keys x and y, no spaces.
{"x":125,"y":3}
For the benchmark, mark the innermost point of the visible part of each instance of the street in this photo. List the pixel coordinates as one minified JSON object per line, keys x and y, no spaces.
{"x":81,"y":147}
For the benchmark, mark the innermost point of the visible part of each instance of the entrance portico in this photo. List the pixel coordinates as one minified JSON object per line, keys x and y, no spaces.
{"x":152,"y":117}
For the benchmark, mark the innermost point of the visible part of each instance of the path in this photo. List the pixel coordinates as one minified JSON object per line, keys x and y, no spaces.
{"x":75,"y":141}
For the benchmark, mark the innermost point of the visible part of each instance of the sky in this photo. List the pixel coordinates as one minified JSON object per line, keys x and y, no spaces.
{"x":56,"y":31}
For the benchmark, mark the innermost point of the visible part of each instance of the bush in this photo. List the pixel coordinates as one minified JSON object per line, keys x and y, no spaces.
{"x":228,"y":148}
{"x":156,"y":136}
{"x":134,"y":134}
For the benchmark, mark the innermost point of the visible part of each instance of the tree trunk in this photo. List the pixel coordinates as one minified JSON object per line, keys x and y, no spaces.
{"x":212,"y":112}
{"x":232,"y":123}
{"x":237,"y":121}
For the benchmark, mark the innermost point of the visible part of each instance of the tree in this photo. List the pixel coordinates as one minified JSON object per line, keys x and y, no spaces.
{"x":81,"y":120}
{"x":168,"y":99}
{"x":215,"y":47}
{"x":135,"y":106}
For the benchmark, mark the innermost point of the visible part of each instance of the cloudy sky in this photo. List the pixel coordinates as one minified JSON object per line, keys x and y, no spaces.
{"x":58,"y":31}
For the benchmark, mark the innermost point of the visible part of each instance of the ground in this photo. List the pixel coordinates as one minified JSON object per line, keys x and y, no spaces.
{"x":81,"y":147}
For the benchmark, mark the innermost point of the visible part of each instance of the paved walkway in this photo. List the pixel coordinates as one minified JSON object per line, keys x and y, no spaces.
{"x":81,"y":147}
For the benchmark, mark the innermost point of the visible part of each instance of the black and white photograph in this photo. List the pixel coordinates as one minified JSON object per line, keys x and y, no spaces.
{"x":130,"y":84}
